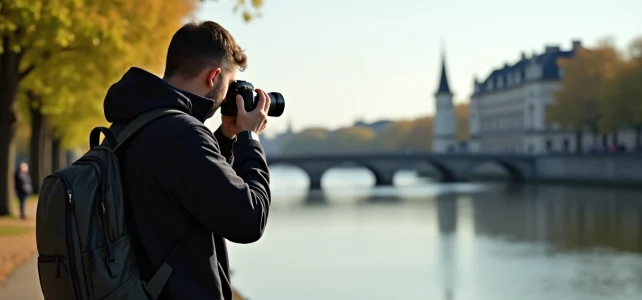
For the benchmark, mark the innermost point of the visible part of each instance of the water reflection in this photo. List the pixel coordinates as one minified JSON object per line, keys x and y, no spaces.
{"x":569,"y":218}
{"x":459,"y":241}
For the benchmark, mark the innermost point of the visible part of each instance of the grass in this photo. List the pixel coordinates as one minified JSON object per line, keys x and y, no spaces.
{"x":9,"y":230}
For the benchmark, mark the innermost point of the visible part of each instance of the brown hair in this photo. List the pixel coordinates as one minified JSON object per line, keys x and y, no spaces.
{"x":196,"y":46}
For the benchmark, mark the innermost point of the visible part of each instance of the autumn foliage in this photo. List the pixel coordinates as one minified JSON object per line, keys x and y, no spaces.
{"x":57,"y":59}
{"x":398,"y":136}
{"x":601,"y":91}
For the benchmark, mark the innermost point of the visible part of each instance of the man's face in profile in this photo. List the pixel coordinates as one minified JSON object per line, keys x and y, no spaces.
{"x":221,"y":84}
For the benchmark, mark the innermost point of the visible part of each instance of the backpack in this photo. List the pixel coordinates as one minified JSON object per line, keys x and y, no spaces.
{"x":84,"y":247}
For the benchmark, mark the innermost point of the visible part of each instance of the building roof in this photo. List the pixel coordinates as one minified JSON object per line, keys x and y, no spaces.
{"x":547,"y":60}
{"x":443,"y":87}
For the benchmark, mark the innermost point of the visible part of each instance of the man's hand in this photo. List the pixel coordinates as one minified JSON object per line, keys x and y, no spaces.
{"x":228,"y":126}
{"x":255,"y":120}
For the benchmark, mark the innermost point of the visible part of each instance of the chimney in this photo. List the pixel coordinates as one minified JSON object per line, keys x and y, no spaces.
{"x":551,"y":48}
{"x":523,"y":55}
{"x":577,"y":44}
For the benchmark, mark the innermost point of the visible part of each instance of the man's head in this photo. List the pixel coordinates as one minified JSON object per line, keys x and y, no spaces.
{"x":24,"y":167}
{"x":202,"y":58}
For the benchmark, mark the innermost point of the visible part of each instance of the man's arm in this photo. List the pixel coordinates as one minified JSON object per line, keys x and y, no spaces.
{"x":225,"y":145}
{"x":232,"y":206}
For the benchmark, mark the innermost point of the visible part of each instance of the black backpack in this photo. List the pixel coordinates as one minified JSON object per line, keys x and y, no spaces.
{"x":85,"y":250}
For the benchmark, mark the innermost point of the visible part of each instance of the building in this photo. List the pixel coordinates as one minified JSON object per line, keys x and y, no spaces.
{"x":445,"y":122}
{"x":376,"y":127}
{"x":508,"y":108}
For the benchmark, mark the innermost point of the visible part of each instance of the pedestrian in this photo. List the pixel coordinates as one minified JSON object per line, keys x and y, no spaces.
{"x":23,"y":187}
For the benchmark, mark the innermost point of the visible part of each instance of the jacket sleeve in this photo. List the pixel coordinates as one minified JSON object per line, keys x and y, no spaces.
{"x":225,"y":145}
{"x":231,"y":206}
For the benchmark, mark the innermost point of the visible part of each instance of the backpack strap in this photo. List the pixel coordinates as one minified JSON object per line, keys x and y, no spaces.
{"x":155,"y":285}
{"x":140,"y":122}
{"x":157,"y":282}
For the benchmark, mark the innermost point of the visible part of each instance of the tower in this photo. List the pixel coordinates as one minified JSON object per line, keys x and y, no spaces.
{"x":474,"y":118}
{"x":289,"y":129}
{"x":444,"y":125}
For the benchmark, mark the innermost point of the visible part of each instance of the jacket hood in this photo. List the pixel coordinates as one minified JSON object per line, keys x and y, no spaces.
{"x":139,"y":91}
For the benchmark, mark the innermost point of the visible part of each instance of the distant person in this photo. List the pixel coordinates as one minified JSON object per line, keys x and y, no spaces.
{"x":177,"y":173}
{"x":23,"y":187}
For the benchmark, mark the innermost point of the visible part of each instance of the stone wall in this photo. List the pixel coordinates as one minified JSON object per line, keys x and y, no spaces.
{"x":605,"y":168}
{"x":615,"y":168}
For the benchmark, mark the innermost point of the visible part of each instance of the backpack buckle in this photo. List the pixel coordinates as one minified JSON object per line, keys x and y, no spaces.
{"x":111,"y":261}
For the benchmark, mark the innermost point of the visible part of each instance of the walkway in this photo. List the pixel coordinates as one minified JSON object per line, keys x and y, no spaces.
{"x":22,"y":284}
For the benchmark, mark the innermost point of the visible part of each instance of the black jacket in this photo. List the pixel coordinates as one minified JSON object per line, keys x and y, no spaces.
{"x":175,"y":171}
{"x":22,"y":183}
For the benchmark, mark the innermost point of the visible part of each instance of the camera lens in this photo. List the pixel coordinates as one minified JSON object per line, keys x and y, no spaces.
{"x":277,"y":104}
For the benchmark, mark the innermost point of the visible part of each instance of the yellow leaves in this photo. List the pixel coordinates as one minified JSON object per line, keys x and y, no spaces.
{"x":257,"y":3}
{"x":248,"y":11}
{"x":600,"y":90}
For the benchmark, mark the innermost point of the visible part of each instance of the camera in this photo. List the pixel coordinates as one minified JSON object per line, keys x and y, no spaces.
{"x":250,"y":99}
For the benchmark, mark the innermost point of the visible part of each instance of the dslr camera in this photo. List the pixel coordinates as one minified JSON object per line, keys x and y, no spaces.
{"x":250,"y":99}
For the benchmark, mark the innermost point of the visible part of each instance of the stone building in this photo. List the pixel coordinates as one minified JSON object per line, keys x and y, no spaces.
{"x":508,"y":108}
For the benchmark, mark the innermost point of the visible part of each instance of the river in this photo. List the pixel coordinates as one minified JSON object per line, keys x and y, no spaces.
{"x":425,"y":240}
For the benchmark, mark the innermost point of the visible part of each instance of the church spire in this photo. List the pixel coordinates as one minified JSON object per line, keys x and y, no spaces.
{"x":443,"y":88}
{"x":290,"y":128}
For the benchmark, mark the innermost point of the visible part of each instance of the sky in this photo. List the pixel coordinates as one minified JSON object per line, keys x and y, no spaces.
{"x":339,"y":61}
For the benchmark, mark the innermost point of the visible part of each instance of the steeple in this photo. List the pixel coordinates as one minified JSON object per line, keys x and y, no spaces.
{"x":289,"y":130}
{"x":443,"y":88}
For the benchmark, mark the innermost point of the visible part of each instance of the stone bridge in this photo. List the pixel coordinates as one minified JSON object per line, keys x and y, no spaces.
{"x":452,"y":167}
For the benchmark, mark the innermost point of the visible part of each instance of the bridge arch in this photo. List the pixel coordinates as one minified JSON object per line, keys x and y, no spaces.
{"x":381,"y":177}
{"x":316,"y":171}
{"x":512,"y":171}
{"x":447,"y":175}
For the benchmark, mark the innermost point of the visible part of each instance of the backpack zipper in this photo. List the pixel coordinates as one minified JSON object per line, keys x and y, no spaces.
{"x":110,"y":260}
{"x":69,"y":211}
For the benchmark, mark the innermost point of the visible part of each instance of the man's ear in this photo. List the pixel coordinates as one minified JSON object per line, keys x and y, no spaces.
{"x":212,"y":76}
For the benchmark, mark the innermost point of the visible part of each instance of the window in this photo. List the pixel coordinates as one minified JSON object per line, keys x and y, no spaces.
{"x":531,"y":115}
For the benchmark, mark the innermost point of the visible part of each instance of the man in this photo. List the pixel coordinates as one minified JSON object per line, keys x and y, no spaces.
{"x":176,"y":172}
{"x":22,"y":181}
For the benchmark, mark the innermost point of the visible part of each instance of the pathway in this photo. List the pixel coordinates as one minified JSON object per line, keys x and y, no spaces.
{"x":22,"y":284}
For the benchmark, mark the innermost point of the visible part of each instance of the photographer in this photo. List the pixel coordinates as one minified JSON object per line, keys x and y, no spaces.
{"x":178,"y":175}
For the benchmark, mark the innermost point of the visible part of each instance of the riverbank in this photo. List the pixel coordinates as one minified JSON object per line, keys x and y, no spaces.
{"x":617,"y":171}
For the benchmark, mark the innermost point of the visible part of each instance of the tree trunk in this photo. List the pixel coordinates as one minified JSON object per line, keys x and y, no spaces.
{"x":58,"y":155}
{"x":638,"y":138}
{"x":578,"y":141}
{"x":9,"y":80}
{"x":605,"y":142}
{"x":40,"y":147}
{"x":7,"y":152}
{"x":616,"y":142}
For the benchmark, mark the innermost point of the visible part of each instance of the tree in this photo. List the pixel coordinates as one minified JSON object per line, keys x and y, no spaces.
{"x":308,"y":141}
{"x":393,"y":137}
{"x":623,"y":95}
{"x":420,"y":137}
{"x":578,"y":101}
{"x":461,"y":111}
{"x":356,"y":139}
{"x":102,"y":36}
